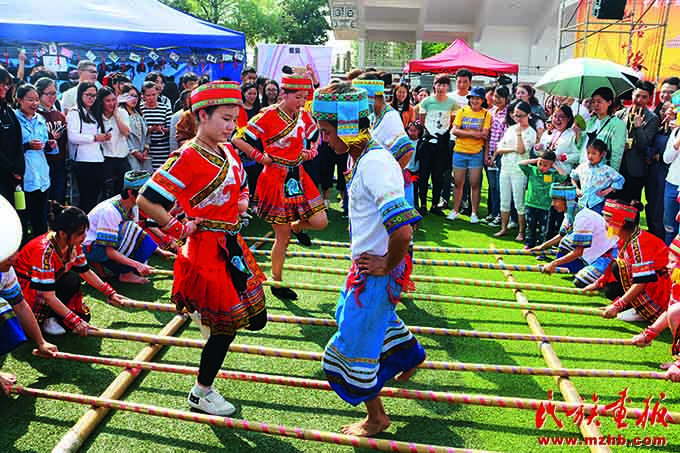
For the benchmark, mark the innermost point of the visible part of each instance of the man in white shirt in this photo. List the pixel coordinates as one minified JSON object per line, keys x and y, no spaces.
{"x":87,"y":72}
{"x":372,"y":345}
{"x":585,"y":248}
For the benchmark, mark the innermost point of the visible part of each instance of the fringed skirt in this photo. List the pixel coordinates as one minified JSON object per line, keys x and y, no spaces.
{"x":286,"y":194}
{"x":372,"y":345}
{"x":206,"y":281}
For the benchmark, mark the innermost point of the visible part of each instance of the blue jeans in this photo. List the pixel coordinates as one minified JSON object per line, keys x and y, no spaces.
{"x":670,"y":211}
{"x":494,"y":200}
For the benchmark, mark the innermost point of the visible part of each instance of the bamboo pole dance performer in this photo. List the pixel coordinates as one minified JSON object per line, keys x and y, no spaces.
{"x":49,"y":269}
{"x":16,"y":318}
{"x":215,"y":273}
{"x":671,"y":317}
{"x":115,"y":240}
{"x":584,"y":247}
{"x":387,"y":128}
{"x":372,"y":345}
{"x":286,"y":196}
{"x":638,"y":281}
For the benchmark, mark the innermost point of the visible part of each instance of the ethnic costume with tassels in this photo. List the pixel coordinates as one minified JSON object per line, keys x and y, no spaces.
{"x":643,"y":258}
{"x":285,"y":192}
{"x":112,"y":225}
{"x":372,"y":345}
{"x":586,"y":229}
{"x":40,"y":269}
{"x":215,"y":272}
{"x":388,"y":130}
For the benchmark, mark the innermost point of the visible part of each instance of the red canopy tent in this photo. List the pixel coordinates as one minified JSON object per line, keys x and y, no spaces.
{"x":460,"y":55}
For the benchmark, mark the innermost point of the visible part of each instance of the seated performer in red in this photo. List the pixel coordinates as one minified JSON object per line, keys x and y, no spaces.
{"x":44,"y":266}
{"x":215,"y":273}
{"x":638,"y":280}
{"x":285,"y":195}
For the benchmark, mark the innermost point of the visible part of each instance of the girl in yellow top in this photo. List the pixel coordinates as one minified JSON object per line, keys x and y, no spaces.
{"x":471,"y":128}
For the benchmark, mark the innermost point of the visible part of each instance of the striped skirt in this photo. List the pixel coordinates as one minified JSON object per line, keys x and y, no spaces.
{"x":372,"y":345}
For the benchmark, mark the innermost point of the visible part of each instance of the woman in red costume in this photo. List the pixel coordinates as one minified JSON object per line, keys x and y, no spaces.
{"x":281,"y":137}
{"x":216,"y":276}
{"x":638,"y":281}
{"x":49,"y":269}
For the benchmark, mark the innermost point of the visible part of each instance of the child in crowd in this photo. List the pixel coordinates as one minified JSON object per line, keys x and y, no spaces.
{"x":414,"y":130}
{"x":594,"y":180}
{"x":540,"y":177}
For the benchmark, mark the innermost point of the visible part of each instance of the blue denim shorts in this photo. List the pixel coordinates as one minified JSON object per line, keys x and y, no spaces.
{"x":462,"y":161}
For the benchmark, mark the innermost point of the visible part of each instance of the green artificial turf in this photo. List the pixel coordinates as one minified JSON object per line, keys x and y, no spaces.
{"x":38,"y":424}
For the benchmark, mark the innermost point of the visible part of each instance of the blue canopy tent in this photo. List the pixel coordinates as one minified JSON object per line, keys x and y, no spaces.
{"x":122,"y":26}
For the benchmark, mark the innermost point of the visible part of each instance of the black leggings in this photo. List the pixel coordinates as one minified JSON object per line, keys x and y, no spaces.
{"x":614,"y":289}
{"x":90,"y":176}
{"x":215,"y":350}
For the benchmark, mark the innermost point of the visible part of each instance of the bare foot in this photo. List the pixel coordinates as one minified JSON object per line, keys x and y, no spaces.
{"x":405,"y":375}
{"x":520,"y":237}
{"x":364,"y":428}
{"x":131,"y":277}
{"x":101,"y":271}
{"x":501,"y":233}
{"x":6,"y":381}
{"x":666,"y":366}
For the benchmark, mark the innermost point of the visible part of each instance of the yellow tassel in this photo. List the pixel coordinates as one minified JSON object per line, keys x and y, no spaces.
{"x":356,"y":140}
{"x":612,"y":231}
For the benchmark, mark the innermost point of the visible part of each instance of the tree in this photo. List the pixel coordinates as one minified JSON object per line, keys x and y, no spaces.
{"x":258,"y":19}
{"x":304,"y":22}
{"x":433,"y":48}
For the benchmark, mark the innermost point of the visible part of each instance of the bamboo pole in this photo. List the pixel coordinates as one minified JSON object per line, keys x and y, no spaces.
{"x":458,"y":300}
{"x":450,"y":280}
{"x":76,"y":436}
{"x":424,"y":248}
{"x":567,"y":388}
{"x":245,"y":425}
{"x":588,"y":311}
{"x":235,"y":347}
{"x":327,"y":322}
{"x":322,"y":385}
{"x":423,"y":262}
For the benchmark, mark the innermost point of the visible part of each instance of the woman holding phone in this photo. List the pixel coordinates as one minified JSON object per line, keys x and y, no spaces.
{"x":138,"y":138}
{"x":85,"y":141}
{"x":116,"y":122}
{"x":56,"y":127}
{"x":37,"y":175}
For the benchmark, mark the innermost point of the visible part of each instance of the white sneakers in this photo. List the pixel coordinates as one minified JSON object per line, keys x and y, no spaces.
{"x":51,"y":327}
{"x":453,"y":215}
{"x":211,"y":402}
{"x":630,"y":315}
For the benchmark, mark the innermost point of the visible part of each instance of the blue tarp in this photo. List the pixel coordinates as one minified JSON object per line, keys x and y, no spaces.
{"x":113,"y":24}
{"x":123,"y":26}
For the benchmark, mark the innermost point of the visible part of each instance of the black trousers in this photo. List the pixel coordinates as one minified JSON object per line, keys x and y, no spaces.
{"x":35,"y":214}
{"x":253,"y":171}
{"x":90,"y":176}
{"x":632,"y":188}
{"x":215,"y":350}
{"x":432,"y":166}
{"x":115,"y":169}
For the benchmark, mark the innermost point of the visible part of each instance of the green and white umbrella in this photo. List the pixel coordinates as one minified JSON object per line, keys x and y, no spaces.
{"x":579,"y":77}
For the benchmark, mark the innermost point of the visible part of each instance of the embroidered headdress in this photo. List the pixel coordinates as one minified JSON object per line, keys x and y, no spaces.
{"x":135,"y":179}
{"x":216,"y":93}
{"x":373,"y":88}
{"x":345,"y":108}
{"x":617,"y":214}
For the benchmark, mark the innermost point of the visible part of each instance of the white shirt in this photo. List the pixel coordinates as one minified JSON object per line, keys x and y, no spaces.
{"x":564,"y":143}
{"x":461,"y":101}
{"x":670,"y":156}
{"x":509,"y":161}
{"x":118,"y":146}
{"x":68,"y":99}
{"x":82,"y":147}
{"x":105,"y":218}
{"x":589,"y":222}
{"x":377,"y":180}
